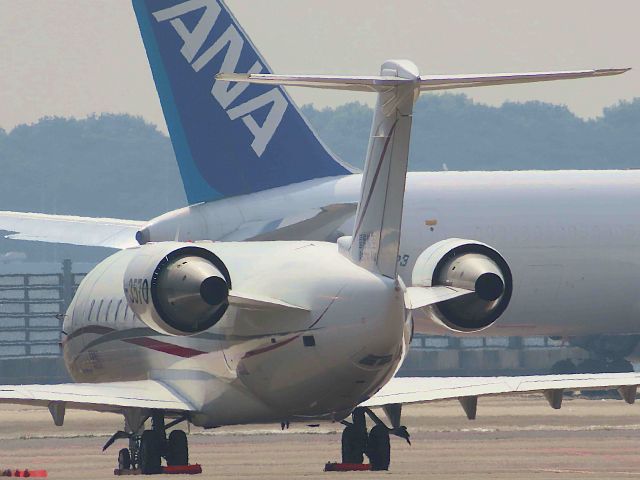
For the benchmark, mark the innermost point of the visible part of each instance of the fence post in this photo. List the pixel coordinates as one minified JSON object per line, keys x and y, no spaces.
{"x":67,"y":284}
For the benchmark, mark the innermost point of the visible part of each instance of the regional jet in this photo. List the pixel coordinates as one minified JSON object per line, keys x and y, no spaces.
{"x":224,"y":333}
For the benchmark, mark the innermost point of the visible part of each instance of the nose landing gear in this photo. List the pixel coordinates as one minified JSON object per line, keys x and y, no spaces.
{"x":357,"y":442}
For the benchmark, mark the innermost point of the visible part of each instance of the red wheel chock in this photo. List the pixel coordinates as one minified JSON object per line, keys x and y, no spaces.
{"x":346,"y":467}
{"x":26,"y":473}
{"x":183,"y":469}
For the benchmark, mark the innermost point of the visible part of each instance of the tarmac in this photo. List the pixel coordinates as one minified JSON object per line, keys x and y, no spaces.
{"x":512,"y":438}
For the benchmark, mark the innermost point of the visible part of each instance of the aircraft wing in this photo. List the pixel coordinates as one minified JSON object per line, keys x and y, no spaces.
{"x":106,"y":397}
{"x":94,"y":232}
{"x":404,"y":390}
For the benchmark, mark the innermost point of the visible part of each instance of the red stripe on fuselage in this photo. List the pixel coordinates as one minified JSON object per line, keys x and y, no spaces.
{"x":165,"y":347}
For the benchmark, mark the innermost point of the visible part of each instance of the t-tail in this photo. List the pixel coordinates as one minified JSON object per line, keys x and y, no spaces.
{"x":375,"y":241}
{"x":229,"y":139}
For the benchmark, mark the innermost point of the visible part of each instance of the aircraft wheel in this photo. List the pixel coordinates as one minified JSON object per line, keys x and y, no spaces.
{"x":353,"y":445}
{"x":379,"y":448}
{"x":150,"y":452}
{"x":177,"y":448}
{"x":592,"y":365}
{"x":564,"y":367}
{"x":619,"y":365}
{"x":124,"y":459}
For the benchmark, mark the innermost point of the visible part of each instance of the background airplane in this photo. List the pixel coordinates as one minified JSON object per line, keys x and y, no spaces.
{"x":253,"y":169}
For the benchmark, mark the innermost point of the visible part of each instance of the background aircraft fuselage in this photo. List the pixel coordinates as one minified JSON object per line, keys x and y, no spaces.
{"x":571,"y":238}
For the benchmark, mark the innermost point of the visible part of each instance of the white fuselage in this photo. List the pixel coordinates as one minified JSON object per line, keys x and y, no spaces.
{"x":253,"y":365}
{"x":571,"y":238}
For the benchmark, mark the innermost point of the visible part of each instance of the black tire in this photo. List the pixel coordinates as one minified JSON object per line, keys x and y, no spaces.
{"x":353,"y":445}
{"x":124,"y":459}
{"x":564,"y":367}
{"x":379,"y":448}
{"x":592,"y":365}
{"x":177,"y":448}
{"x":619,"y":365}
{"x":150,"y":452}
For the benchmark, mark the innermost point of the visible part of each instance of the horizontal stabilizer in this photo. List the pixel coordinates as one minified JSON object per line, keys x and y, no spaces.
{"x":93,"y":232}
{"x":376,"y":83}
{"x":261,"y":302}
{"x":418,"y":297}
{"x":448,"y":82}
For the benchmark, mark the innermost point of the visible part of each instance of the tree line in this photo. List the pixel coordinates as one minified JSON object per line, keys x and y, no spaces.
{"x":121,"y":166}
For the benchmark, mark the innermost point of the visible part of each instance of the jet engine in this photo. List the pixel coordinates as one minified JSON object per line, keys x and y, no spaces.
{"x":469,"y":265}
{"x":182,"y":291}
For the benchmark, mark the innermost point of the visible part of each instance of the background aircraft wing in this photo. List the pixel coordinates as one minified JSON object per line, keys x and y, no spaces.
{"x":316,"y":224}
{"x":106,"y":397}
{"x":94,"y":232}
{"x":426,"y":389}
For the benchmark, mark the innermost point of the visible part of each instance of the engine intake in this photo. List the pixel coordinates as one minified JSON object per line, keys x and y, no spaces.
{"x":181,"y":292}
{"x":470,"y":265}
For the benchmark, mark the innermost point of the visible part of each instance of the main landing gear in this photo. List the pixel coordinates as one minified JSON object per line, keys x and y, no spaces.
{"x":358,"y":442}
{"x":148,"y":447}
{"x":592,"y":365}
{"x":607,"y":354}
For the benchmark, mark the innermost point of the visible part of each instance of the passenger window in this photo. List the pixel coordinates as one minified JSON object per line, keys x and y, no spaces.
{"x":115,"y":317}
{"x":93,"y":302}
{"x":106,"y":314}
{"x":98,"y":312}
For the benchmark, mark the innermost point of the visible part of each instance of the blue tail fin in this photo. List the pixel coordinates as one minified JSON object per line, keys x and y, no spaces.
{"x":229,"y":139}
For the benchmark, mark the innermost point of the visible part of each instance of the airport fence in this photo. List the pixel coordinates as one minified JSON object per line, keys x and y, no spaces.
{"x":31,"y":311}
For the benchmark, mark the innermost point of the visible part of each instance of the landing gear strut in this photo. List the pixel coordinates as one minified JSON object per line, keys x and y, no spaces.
{"x":357,"y":442}
{"x":148,"y":447}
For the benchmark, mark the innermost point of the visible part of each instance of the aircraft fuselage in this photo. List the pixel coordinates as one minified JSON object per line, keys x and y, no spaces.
{"x":254,"y":365}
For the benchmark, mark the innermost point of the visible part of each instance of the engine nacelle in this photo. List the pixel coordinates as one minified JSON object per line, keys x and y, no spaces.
{"x":177,"y":291}
{"x":470,"y":265}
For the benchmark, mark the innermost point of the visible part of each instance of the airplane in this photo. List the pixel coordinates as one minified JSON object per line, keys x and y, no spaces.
{"x":224,"y":333}
{"x":253,"y":169}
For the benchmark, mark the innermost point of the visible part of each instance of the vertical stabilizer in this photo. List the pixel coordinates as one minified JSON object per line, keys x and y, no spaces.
{"x":376,"y":235}
{"x":229,"y":138}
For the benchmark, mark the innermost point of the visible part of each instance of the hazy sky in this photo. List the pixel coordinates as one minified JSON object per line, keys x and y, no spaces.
{"x":77,"y":57}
